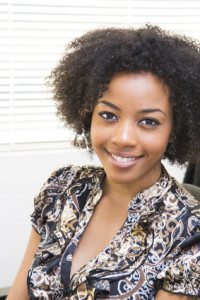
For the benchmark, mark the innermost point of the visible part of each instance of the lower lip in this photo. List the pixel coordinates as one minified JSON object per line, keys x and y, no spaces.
{"x":121,"y":164}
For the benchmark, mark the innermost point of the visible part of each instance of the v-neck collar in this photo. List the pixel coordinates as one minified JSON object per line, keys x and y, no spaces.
{"x":140,"y":209}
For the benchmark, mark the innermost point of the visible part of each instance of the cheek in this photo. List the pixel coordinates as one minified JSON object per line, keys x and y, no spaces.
{"x":98,"y":137}
{"x":98,"y":131}
{"x":156,"y":142}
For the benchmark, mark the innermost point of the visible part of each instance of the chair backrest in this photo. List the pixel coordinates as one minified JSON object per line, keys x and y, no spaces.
{"x":193,"y":189}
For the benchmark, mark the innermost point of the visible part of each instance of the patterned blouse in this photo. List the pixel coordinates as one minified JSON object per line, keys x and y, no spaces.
{"x":158,"y":246}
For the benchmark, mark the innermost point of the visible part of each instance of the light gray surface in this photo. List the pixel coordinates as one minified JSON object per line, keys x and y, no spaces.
{"x":4,"y":291}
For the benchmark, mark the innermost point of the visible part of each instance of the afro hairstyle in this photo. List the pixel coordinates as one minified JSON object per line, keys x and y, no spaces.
{"x":90,"y":61}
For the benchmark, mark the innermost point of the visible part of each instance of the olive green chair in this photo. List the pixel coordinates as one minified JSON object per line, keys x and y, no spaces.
{"x":193,"y":189}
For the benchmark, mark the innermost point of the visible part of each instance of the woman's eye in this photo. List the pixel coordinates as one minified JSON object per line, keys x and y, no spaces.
{"x":108,"y":116}
{"x":149,"y":122}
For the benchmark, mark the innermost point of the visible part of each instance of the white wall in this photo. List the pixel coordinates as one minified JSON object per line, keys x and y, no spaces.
{"x":21,"y":178}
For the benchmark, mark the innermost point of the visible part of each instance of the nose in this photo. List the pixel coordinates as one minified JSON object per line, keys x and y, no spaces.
{"x":125,"y":135}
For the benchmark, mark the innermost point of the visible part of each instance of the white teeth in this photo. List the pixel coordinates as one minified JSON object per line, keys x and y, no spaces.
{"x":122,"y":159}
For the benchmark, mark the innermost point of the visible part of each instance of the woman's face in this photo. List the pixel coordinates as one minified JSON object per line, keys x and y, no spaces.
{"x":130,"y":129}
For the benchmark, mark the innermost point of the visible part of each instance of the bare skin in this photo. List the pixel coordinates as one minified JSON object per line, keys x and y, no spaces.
{"x":105,"y":223}
{"x":130,"y":141}
{"x":108,"y":218}
{"x":19,"y":287}
{"x":120,"y":129}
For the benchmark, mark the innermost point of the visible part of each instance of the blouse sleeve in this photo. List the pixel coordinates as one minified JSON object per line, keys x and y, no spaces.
{"x":46,"y":203}
{"x":182,"y":274}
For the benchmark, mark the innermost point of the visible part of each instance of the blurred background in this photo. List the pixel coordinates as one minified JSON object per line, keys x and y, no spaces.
{"x":33,"y":142}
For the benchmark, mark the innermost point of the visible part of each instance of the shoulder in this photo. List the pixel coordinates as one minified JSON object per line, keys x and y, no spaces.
{"x":71,"y":174}
{"x":67,"y":179}
{"x":181,"y":216}
{"x":182,"y":210}
{"x":178,"y":197}
{"x":177,"y":216}
{"x":62,"y":182}
{"x":181,"y":240}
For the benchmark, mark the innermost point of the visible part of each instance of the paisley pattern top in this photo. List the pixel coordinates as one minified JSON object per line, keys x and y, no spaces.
{"x":158,"y":246}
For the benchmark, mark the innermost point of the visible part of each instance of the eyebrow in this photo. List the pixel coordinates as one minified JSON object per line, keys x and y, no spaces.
{"x":151,"y":110}
{"x":110,"y":104}
{"x":143,"y":111}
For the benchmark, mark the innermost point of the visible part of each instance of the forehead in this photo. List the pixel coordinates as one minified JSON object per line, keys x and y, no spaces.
{"x":139,"y":88}
{"x":138,"y":81}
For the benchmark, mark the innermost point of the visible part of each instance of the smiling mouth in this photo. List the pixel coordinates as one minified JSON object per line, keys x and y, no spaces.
{"x":122,"y":161}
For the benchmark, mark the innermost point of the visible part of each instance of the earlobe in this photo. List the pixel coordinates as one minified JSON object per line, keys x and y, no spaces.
{"x":82,"y":140}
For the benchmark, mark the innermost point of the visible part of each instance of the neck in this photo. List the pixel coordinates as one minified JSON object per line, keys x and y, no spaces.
{"x":118,"y":192}
{"x":123,"y":193}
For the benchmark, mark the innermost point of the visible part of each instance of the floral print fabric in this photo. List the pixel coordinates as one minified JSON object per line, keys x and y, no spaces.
{"x":157,"y":247}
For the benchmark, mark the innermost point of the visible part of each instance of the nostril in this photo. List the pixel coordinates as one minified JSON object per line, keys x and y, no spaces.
{"x":124,"y":139}
{"x":125,"y":132}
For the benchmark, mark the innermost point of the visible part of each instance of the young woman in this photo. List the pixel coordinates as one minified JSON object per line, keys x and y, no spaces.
{"x":126,"y":230}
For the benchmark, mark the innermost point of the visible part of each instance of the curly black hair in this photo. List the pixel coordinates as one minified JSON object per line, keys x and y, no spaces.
{"x":91,"y":61}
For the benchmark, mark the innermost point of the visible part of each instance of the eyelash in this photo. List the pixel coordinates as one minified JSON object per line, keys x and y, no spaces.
{"x":154,"y":123}
{"x":110,"y":117}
